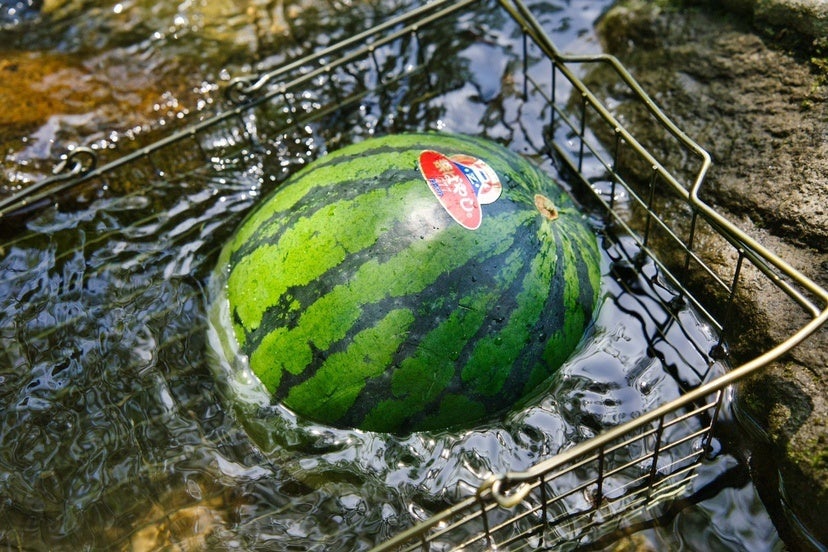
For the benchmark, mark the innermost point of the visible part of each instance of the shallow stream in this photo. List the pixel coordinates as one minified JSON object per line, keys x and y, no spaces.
{"x":120,"y":431}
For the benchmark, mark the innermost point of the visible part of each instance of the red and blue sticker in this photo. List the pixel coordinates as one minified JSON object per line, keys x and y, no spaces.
{"x":461,"y":183}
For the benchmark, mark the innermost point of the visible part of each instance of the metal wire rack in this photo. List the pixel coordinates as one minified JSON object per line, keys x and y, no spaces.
{"x":384,"y":80}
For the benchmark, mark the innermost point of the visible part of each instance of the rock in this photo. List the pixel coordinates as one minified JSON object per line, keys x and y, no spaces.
{"x":809,"y":17}
{"x":805,"y":17}
{"x":759,"y":106}
{"x":54,"y":100}
{"x":43,"y":85}
{"x":79,"y":73}
{"x":72,"y":74}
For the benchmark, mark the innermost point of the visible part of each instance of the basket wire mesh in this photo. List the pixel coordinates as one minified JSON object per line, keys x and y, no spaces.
{"x":634,"y":471}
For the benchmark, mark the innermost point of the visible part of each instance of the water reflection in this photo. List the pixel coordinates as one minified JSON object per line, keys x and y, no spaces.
{"x":76,"y":72}
{"x":115,"y":429}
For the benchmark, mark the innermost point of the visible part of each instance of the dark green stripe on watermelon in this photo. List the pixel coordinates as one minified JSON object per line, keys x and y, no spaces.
{"x":360,"y":302}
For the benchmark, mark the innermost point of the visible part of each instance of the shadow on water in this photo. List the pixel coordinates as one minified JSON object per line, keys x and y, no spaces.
{"x":116,"y":431}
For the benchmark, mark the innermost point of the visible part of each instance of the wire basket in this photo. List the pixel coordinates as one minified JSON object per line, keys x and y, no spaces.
{"x":383,"y":80}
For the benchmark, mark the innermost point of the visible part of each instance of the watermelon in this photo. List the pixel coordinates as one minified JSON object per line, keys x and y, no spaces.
{"x":410,"y":282}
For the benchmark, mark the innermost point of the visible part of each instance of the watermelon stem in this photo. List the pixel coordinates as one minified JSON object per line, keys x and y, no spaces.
{"x":546,"y":207}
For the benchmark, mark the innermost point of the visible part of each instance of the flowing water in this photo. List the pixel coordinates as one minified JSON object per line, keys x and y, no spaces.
{"x":121,"y":430}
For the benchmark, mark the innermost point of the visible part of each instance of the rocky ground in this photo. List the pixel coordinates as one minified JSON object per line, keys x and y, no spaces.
{"x":748,"y":80}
